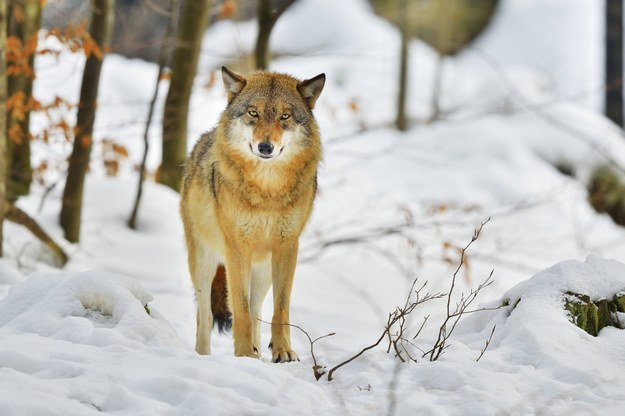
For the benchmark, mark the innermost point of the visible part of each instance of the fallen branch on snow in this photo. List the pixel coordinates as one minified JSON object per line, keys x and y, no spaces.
{"x":16,"y":215}
{"x":396,"y":340}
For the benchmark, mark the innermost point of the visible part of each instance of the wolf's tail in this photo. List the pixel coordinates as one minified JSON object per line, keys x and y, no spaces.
{"x":219,"y":301}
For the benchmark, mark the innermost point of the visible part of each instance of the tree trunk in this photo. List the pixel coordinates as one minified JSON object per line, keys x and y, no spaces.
{"x":614,"y":61}
{"x":25,"y":28}
{"x":266,"y":22}
{"x":3,"y":99}
{"x":401,"y":121}
{"x":100,"y":30}
{"x":193,"y":21}
{"x":267,"y":16}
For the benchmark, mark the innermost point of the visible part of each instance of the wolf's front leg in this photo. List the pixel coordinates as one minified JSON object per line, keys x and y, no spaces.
{"x":238,"y":270}
{"x":261,"y":282}
{"x":284,"y":258}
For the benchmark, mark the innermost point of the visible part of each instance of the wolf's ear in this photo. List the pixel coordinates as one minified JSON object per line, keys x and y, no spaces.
{"x":311,"y":88}
{"x":233,"y":82}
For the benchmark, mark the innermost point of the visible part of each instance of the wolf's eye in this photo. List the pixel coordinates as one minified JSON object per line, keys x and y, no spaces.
{"x":253,"y":113}
{"x":284,"y":116}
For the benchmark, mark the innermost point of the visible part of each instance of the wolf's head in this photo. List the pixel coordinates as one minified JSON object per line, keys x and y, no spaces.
{"x":270,"y":114}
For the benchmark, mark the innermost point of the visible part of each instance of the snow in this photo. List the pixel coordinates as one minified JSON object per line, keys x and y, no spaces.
{"x":81,"y":340}
{"x":82,"y":343}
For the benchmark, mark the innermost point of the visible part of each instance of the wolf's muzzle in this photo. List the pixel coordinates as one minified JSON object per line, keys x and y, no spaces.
{"x":265,"y":148}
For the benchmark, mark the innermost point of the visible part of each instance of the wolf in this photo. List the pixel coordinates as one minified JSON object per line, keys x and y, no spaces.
{"x":247,"y":193}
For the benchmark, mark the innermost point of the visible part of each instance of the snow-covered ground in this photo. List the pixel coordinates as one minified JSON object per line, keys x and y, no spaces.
{"x":114,"y":330}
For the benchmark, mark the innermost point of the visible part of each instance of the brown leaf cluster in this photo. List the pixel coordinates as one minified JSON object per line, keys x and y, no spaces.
{"x":112,"y":154}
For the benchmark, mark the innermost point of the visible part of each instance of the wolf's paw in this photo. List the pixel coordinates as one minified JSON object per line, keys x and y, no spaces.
{"x":252,"y":353}
{"x":283,"y":355}
{"x":255,"y":354}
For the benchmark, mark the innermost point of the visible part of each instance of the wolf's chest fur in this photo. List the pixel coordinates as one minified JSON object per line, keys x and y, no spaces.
{"x":264,"y":187}
{"x":263,"y":201}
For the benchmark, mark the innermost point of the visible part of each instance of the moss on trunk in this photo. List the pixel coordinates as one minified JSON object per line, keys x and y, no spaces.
{"x":593,"y":316}
{"x":619,"y":301}
{"x":606,"y":193}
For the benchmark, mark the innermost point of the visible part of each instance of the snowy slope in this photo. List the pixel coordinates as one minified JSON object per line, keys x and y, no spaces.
{"x":79,"y":341}
{"x":83,"y":343}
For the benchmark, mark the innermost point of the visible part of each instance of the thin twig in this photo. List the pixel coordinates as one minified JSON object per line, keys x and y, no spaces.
{"x":398,"y":316}
{"x":162,"y":60}
{"x":487,"y":344}
{"x":47,"y":191}
{"x":444,"y":332}
{"x":425,"y":319}
{"x":336,"y":367}
{"x":318,"y":370}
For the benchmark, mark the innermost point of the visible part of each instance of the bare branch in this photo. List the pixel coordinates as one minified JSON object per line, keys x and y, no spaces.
{"x":162,"y":60}
{"x":454,"y":316}
{"x":396,"y":325}
{"x":398,"y":317}
{"x":318,"y":370}
{"x":158,"y":9}
{"x":336,"y":367}
{"x":487,"y":344}
{"x":425,"y":319}
{"x":16,"y":215}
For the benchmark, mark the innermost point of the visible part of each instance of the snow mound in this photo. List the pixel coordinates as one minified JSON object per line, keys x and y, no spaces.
{"x":596,"y":277}
{"x":94,"y":308}
{"x":85,"y":343}
{"x":535,"y":344}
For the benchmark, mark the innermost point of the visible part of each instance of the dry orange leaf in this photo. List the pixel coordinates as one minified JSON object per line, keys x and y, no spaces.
{"x":227,"y":10}
{"x":120,"y":150}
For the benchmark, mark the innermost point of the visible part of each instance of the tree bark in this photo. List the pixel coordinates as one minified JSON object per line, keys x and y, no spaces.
{"x":401,"y":121}
{"x":613,"y":105}
{"x":3,"y":98}
{"x":267,"y":16}
{"x":266,"y":22}
{"x":71,"y":211}
{"x":26,"y":28}
{"x":192,"y":23}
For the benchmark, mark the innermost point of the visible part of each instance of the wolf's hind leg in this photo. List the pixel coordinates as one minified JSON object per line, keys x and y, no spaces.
{"x":203,"y":266}
{"x":260,"y":284}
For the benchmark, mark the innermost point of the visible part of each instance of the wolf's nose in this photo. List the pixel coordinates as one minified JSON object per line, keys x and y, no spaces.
{"x":265,"y":148}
